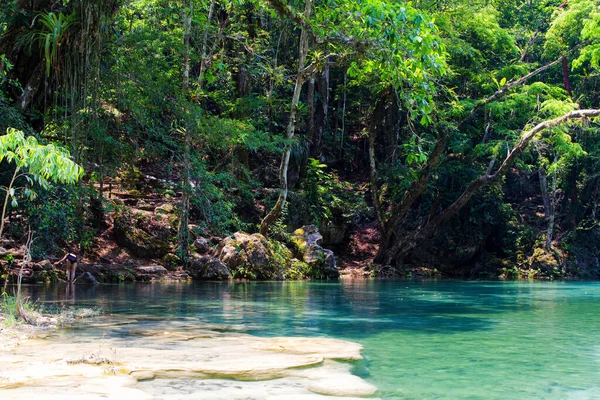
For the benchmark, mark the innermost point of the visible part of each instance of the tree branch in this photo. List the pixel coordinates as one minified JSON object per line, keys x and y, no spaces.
{"x":487,"y":179}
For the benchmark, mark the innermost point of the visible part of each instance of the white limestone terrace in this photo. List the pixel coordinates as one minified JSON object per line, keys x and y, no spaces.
{"x":141,"y":359}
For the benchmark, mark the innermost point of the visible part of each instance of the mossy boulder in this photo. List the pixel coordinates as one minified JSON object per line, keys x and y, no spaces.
{"x":547,"y":262}
{"x":170,"y":261}
{"x":166,"y":208}
{"x":256,"y":257}
{"x":321,"y":261}
{"x":139,"y":236}
{"x":247,"y":256}
{"x":208,"y":269}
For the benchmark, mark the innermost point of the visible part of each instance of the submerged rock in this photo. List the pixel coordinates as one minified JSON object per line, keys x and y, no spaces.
{"x":308,"y":240}
{"x":86,"y":278}
{"x":285,"y":368}
{"x":209,"y":269}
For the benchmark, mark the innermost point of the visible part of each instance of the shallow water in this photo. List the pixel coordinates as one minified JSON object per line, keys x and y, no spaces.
{"x":429,"y":339}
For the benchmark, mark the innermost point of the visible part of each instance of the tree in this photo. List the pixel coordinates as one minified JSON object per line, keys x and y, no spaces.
{"x":291,"y":126}
{"x":35,"y":162}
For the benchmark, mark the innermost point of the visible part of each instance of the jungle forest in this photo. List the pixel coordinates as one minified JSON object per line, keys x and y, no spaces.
{"x":447,"y":137}
{"x":243,"y":197}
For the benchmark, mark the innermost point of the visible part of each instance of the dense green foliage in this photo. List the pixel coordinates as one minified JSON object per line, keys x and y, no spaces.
{"x":421,"y":102}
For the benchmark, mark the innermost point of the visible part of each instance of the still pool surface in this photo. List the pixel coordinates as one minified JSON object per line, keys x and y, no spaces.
{"x":422,"y":339}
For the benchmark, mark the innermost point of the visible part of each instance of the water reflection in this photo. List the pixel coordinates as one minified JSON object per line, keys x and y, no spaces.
{"x":348,"y":309}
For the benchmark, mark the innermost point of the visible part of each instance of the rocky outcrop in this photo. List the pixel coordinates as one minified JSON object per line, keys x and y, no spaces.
{"x":255,"y":257}
{"x":170,"y":261}
{"x":201,"y":245}
{"x":546,"y":262}
{"x":248,"y":256}
{"x":322,"y":261}
{"x":282,"y":368}
{"x":137,"y":234}
{"x":208,"y":269}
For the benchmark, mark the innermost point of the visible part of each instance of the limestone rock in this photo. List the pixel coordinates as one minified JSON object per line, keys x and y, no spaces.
{"x":208,"y":268}
{"x":247,"y":256}
{"x":141,"y":242}
{"x":46,"y":265}
{"x":201,"y":245}
{"x":308,"y":240}
{"x":223,"y":365}
{"x":150,"y":272}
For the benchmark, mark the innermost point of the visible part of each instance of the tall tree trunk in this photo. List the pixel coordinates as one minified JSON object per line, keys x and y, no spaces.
{"x":310,"y":103}
{"x":544,"y":191}
{"x":310,"y":127}
{"x":543,"y":182}
{"x":343,"y":116}
{"x":183,"y":231}
{"x":552,"y":216}
{"x":321,"y":111}
{"x":291,"y":127}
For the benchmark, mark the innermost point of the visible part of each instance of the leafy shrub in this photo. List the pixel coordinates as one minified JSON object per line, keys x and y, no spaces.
{"x":327,"y":198}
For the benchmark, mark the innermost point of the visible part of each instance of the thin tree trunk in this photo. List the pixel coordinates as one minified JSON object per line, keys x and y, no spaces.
{"x":552,"y":216}
{"x":285,"y":160}
{"x":183,"y":229}
{"x":10,"y":185}
{"x":203,"y":59}
{"x":379,"y":212}
{"x":310,"y":103}
{"x":529,"y":44}
{"x":343,"y":116}
{"x":543,"y":183}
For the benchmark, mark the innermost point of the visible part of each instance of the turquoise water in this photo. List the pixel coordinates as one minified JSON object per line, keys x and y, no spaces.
{"x":422,"y":339}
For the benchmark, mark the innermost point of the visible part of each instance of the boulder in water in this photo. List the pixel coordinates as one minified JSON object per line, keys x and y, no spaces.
{"x":86,"y":278}
{"x":208,"y":269}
